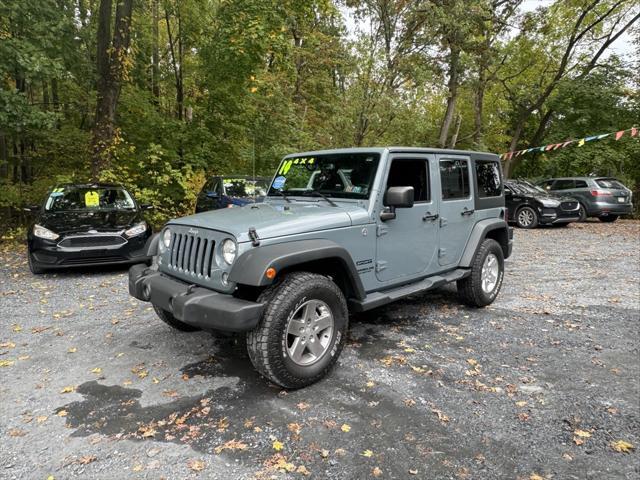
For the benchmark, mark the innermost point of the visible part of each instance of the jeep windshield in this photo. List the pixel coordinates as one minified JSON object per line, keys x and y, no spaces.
{"x":344,"y":175}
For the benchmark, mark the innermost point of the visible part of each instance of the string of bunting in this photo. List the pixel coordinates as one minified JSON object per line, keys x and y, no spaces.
{"x":633,"y":131}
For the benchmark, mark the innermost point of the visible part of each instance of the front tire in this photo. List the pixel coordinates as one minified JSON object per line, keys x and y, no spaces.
{"x":33,"y":266}
{"x":302,"y":331}
{"x":608,"y":218}
{"x":173,"y":322}
{"x":487,"y":272}
{"x":527,"y":217}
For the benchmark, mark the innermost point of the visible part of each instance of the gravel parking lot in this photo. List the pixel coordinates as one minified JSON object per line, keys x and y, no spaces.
{"x":542,"y":384}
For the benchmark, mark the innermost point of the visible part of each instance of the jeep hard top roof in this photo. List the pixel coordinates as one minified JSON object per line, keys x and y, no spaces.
{"x":392,"y":149}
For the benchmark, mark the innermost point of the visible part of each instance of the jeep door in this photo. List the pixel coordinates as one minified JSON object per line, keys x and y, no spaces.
{"x":407,"y":245}
{"x":457,"y":215}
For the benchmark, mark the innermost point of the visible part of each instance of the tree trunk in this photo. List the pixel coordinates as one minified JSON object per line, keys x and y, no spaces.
{"x":176,"y":61}
{"x":452,"y":88}
{"x":515,"y":138}
{"x":454,"y":139}
{"x":111,"y":54}
{"x":155,"y":53}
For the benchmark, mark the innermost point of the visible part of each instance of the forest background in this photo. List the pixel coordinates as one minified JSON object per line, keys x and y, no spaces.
{"x":159,"y":94}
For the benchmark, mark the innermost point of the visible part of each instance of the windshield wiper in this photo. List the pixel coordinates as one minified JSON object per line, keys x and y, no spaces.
{"x":282,"y":194}
{"x":317,"y":193}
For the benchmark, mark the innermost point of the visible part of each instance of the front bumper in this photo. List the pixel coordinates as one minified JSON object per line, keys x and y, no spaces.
{"x":552,"y":216}
{"x":49,"y":255}
{"x":193,"y":305}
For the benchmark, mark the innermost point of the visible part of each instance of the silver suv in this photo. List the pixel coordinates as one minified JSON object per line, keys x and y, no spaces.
{"x":339,"y":231}
{"x":603,"y":197}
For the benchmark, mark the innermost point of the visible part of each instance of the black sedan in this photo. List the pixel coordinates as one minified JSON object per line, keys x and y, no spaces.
{"x":81,"y":225}
{"x":530,"y":206}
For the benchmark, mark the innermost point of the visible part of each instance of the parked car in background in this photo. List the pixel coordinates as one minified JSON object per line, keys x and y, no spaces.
{"x":231,"y":191}
{"x":89,"y":224}
{"x":530,"y":206}
{"x":603,"y":197}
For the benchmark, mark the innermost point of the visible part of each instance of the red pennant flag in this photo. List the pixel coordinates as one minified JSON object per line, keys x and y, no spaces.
{"x":619,"y":134}
{"x":634,"y":131}
{"x":548,"y":147}
{"x":557,"y":146}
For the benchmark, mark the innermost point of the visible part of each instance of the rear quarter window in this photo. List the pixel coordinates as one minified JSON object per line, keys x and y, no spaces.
{"x":609,"y":183}
{"x":489,"y":180}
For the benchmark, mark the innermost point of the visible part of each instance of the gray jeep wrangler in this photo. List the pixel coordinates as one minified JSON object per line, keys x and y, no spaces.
{"x":340,"y":231}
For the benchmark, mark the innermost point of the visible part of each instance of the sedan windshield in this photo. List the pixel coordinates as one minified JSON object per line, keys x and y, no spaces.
{"x":344,"y":175}
{"x":242,"y":188}
{"x":88,"y":199}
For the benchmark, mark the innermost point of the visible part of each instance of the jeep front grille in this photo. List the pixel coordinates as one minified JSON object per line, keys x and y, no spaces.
{"x":192,"y":254}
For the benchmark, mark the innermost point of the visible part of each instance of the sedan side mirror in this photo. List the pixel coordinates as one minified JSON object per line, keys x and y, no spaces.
{"x":146,"y":206}
{"x":212,"y":195}
{"x":31,"y":208}
{"x":396,"y":197}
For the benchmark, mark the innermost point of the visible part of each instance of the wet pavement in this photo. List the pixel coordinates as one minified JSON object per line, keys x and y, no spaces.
{"x":544,"y":382}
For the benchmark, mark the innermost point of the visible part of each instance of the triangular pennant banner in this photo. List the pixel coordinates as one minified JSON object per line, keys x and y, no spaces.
{"x":619,"y":134}
{"x":567,"y":143}
{"x":604,"y":135}
{"x":634,"y":131}
{"x":581,"y":142}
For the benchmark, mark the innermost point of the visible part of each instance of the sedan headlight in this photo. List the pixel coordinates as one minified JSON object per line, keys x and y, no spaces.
{"x":40,"y":231}
{"x":137,"y":229}
{"x":229,"y":250}
{"x":548,"y":202}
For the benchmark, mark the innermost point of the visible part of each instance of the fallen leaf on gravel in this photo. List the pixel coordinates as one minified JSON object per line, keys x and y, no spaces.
{"x":302,"y":406}
{"x":582,"y":433}
{"x":622,"y":446}
{"x":523,"y":417}
{"x":376,"y":472}
{"x":413,"y":471}
{"x":345,"y":427}
{"x":295,"y":428}
{"x":324,"y":453}
{"x":72,"y":350}
{"x":7,"y":345}
{"x":409,"y":402}
{"x":16,"y":328}
{"x":97,"y":371}
{"x":138,"y":468}
{"x":16,"y":432}
{"x":39,"y":329}
{"x":62,"y":413}
{"x":41,"y":419}
{"x":535,"y":476}
{"x":441,"y":416}
{"x":170,"y":393}
{"x":68,"y":389}
{"x":147,"y":431}
{"x":277,"y":445}
{"x":222,"y":424}
{"x":367,"y":453}
{"x":6,"y":363}
{"x":87,"y":459}
{"x":303,"y":470}
{"x":282,"y":464}
{"x":521,"y":403}
{"x":370,"y":384}
{"x":155,"y":380}
{"x":232,"y":445}
{"x":24,"y":357}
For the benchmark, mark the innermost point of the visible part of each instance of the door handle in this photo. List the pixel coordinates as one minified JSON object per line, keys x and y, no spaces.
{"x":428,"y":216}
{"x":467,"y":212}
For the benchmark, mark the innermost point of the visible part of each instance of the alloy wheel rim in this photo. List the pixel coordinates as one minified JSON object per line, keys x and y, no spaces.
{"x":525,"y":217}
{"x":309,"y":332}
{"x":490,"y":273}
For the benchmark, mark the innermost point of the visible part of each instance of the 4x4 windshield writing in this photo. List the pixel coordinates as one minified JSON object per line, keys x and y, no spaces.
{"x":347,"y":175}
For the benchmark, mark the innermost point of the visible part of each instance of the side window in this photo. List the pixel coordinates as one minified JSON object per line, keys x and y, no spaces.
{"x":581,"y":184}
{"x":411,"y":173}
{"x":547,"y":185}
{"x":454,"y":178}
{"x":489,"y":181}
{"x":564,"y":184}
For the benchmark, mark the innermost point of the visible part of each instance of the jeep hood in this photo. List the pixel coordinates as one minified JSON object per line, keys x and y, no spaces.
{"x":275,"y":220}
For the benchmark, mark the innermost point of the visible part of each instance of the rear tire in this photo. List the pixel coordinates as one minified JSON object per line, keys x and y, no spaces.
{"x":608,"y":218}
{"x":173,"y":322}
{"x":487,"y":272}
{"x":527,"y":217}
{"x":33,"y":267}
{"x":582,"y":212}
{"x":302,"y":331}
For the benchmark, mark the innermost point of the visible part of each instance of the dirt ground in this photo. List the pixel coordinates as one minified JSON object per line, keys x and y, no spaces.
{"x":545,"y":383}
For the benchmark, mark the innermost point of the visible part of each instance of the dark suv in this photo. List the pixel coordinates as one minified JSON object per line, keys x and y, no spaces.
{"x":530,"y":206}
{"x":603,"y":197}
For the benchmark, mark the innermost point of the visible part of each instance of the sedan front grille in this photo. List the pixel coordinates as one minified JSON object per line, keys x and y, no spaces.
{"x":192,"y":254}
{"x":92,"y":241}
{"x":570,"y":206}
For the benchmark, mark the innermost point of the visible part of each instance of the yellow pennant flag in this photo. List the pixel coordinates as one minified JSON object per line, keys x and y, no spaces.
{"x":581,"y":142}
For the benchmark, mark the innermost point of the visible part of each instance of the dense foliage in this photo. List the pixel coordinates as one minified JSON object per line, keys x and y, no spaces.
{"x":157,"y":94}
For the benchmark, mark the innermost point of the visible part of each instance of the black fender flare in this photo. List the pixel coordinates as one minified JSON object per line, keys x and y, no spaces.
{"x":250,"y":267}
{"x":152,"y":245}
{"x":479,"y":233}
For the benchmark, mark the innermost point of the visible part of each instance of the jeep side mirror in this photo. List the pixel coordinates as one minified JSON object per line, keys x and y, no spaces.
{"x":396,"y":197}
{"x":146,"y":206}
{"x":31,"y":208}
{"x":212,"y":194}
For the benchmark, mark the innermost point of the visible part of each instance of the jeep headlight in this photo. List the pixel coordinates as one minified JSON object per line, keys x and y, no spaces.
{"x":40,"y":231}
{"x":137,"y":229}
{"x":165,"y":240}
{"x":229,"y":250}
{"x":549,"y":202}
